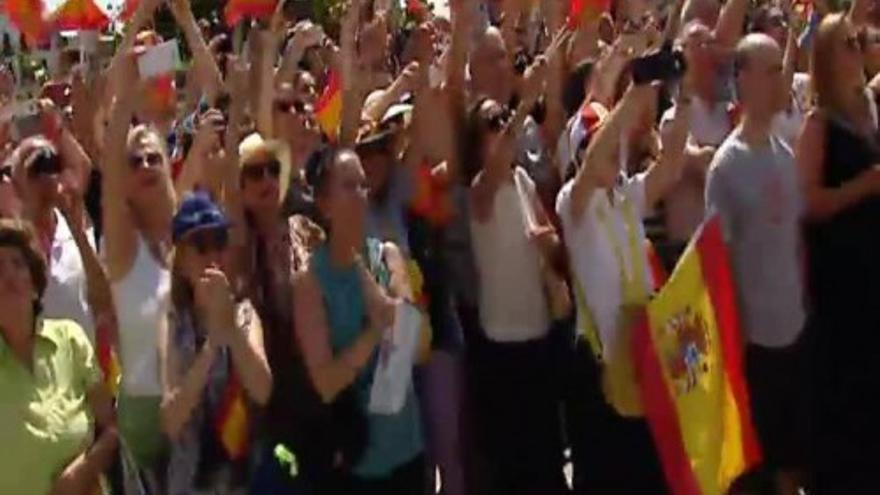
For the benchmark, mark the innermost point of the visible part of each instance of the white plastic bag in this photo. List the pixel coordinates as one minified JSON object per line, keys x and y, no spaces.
{"x":393,"y":375}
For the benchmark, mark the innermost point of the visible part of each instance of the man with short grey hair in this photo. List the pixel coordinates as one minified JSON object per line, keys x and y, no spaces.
{"x":753,"y":185}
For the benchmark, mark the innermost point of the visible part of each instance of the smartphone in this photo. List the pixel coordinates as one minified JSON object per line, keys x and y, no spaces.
{"x":665,"y":65}
{"x":161,"y":59}
{"x":27,"y":121}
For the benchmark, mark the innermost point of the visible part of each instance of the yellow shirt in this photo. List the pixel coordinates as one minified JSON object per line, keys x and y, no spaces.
{"x":45,"y":419}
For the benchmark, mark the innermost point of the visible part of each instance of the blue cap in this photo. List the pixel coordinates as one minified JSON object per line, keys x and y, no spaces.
{"x":197,"y":211}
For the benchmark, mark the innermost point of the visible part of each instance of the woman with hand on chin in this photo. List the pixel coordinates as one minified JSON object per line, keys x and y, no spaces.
{"x":211,"y":353}
{"x":52,"y":397}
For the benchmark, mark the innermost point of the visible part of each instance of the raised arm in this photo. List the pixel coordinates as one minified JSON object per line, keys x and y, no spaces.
{"x":599,"y":166}
{"x":142,"y":17}
{"x":729,"y":28}
{"x":351,"y":87}
{"x":666,"y":172}
{"x":206,"y":70}
{"x":824,"y":202}
{"x":119,"y":231}
{"x":501,"y":157}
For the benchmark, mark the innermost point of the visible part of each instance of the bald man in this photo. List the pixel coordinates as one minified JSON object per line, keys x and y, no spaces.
{"x":753,"y":185}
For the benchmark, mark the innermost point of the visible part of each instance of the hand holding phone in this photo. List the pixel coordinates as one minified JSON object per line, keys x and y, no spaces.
{"x":161,"y":59}
{"x":665,"y":65}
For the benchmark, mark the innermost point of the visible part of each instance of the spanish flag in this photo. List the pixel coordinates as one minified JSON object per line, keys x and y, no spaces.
{"x":236,"y":10}
{"x":28,"y":16}
{"x":328,"y":109}
{"x":106,"y":354}
{"x":688,"y":359}
{"x":430,"y":199}
{"x":581,"y":11}
{"x":80,"y":15}
{"x":231,"y":422}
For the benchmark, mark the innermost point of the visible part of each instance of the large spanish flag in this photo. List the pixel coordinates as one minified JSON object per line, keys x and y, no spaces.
{"x":80,"y":15}
{"x":689,"y":361}
{"x":236,"y":10}
{"x":328,"y":109}
{"x":28,"y":16}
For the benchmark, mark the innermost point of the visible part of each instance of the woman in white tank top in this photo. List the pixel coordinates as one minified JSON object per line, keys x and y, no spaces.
{"x":516,"y":410}
{"x":138,"y":200}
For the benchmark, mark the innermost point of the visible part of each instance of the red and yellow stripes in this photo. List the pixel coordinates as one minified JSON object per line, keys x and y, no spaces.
{"x":689,"y":363}
{"x":328,"y":109}
{"x":231,"y":423}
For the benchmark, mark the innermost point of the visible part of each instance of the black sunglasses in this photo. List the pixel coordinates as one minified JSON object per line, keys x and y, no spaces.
{"x":498,"y":121}
{"x":284,"y":106}
{"x":45,"y":163}
{"x":151,"y":159}
{"x":257,"y":171}
{"x":209,"y":240}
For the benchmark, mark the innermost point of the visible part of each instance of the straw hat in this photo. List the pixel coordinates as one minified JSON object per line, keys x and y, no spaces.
{"x":255,"y":147}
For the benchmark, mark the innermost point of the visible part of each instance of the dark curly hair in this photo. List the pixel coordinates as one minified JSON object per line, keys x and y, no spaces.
{"x":18,"y":234}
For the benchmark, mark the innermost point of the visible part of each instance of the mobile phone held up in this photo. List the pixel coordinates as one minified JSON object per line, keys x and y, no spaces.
{"x":26,"y":121}
{"x":163,"y":58}
{"x":666,"y":65}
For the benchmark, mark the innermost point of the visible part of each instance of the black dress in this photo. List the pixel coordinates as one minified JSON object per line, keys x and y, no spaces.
{"x":844,"y":279}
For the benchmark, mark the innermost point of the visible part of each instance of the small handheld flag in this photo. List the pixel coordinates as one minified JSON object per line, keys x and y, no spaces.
{"x":81,"y":15}
{"x":232,"y":420}
{"x":236,"y":10}
{"x":28,"y":18}
{"x":328,"y":109}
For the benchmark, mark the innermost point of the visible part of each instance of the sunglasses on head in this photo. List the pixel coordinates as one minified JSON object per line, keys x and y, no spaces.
{"x":209,"y":240}
{"x":45,"y":163}
{"x":297,"y":106}
{"x":257,"y":171}
{"x":145,"y":160}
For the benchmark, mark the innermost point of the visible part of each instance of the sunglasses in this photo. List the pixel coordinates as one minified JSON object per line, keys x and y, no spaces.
{"x":146,"y":160}
{"x":286,"y":106}
{"x":45,"y":163}
{"x":498,"y":121}
{"x":207,"y":241}
{"x":257,"y":171}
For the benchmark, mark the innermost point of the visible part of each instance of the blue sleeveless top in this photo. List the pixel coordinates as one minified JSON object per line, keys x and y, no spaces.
{"x":393,"y":440}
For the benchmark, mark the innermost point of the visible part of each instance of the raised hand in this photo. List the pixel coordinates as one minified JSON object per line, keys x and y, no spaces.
{"x":534,"y":79}
{"x":214,"y":296}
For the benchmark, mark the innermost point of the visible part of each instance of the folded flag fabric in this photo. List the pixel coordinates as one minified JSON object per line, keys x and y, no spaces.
{"x":108,"y":360}
{"x":28,"y":16}
{"x":79,"y":15}
{"x":430,"y":199}
{"x":328,"y":109}
{"x":236,"y":10}
{"x":232,"y":420}
{"x":689,"y":365}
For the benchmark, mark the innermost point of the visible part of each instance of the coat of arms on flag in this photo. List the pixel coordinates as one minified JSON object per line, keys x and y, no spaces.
{"x":688,"y":359}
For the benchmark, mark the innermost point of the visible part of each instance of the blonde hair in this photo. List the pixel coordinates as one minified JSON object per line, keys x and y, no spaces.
{"x":254,"y":146}
{"x":823,"y":75}
{"x":144,"y":132}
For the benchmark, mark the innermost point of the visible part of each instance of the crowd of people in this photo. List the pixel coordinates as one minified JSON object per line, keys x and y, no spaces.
{"x":196,"y":293}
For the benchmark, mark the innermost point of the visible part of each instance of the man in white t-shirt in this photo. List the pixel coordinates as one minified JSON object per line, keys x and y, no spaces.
{"x":43,"y":179}
{"x":601,"y":212}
